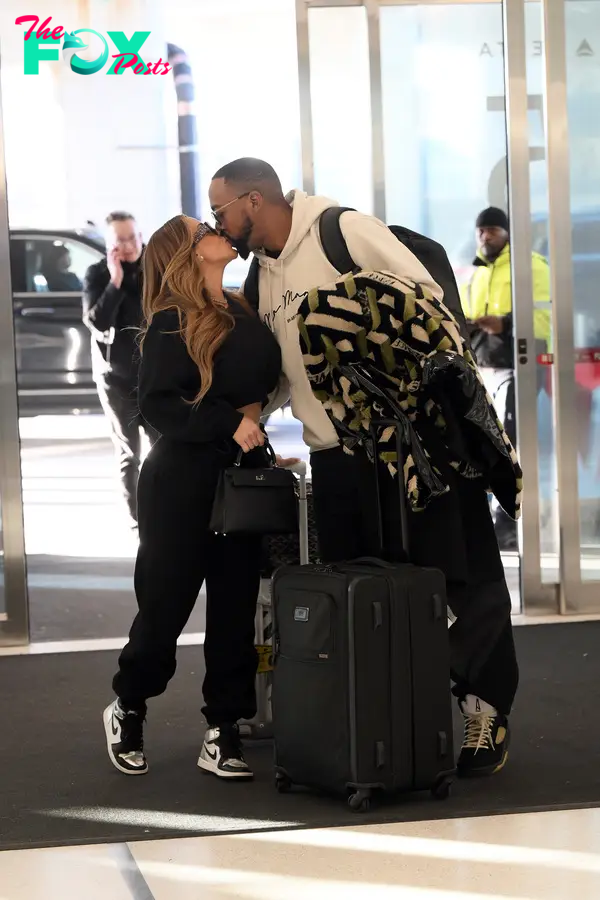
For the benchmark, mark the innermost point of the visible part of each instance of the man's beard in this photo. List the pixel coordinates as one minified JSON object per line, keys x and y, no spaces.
{"x":241,"y":243}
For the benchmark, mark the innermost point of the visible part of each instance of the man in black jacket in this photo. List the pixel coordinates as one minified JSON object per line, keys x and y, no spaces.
{"x":112,"y":310}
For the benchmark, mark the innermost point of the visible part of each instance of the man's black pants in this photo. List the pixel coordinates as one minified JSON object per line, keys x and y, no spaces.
{"x":455,"y":533}
{"x":120,"y":405}
{"x":177,"y":554}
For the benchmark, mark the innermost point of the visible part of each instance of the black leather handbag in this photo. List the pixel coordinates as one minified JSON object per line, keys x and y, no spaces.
{"x":255,"y":500}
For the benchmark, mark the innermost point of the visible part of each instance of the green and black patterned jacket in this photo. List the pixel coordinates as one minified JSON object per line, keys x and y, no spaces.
{"x":412,"y":348}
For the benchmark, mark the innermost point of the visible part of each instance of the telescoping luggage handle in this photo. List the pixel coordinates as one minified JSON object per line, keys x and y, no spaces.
{"x":299,"y":469}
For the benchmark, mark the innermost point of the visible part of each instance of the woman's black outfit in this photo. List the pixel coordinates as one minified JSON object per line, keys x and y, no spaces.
{"x":176,"y":489}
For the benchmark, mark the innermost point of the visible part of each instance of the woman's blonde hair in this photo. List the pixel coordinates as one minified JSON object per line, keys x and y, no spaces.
{"x":173,"y":280}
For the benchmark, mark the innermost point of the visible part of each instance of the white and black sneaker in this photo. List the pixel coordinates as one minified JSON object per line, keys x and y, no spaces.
{"x":222,"y":753}
{"x":125,"y":739}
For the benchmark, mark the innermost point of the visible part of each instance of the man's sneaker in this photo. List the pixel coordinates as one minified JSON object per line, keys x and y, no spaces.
{"x":485,"y":747}
{"x":222,"y":753}
{"x":125,"y":739}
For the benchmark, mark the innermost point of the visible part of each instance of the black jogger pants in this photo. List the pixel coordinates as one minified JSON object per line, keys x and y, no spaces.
{"x":177,"y":554}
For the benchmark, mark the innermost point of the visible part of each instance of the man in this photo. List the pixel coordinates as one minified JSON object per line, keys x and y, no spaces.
{"x":283,"y":232}
{"x":487,"y":304}
{"x":112,"y":310}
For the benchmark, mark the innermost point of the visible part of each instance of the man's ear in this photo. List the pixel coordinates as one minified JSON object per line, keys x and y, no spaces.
{"x":256,"y":200}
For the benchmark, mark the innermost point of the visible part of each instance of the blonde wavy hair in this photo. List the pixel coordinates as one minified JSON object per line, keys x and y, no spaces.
{"x":173,"y":280}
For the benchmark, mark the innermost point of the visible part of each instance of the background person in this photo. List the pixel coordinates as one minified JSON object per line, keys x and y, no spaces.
{"x":112,"y":310}
{"x":487,"y":304}
{"x":56,"y":270}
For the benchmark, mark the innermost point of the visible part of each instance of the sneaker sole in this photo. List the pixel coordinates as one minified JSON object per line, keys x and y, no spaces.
{"x":106,"y":719}
{"x":220,"y":773}
{"x":485,"y":771}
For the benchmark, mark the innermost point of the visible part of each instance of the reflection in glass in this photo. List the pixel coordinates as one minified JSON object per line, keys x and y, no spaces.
{"x":583,"y":97}
{"x":547,"y":473}
{"x":2,"y":592}
{"x":449,"y":133}
{"x":339,"y":68}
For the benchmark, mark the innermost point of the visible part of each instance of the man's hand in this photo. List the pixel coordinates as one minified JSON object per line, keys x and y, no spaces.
{"x":284,"y":463}
{"x":115,"y":268}
{"x":249,"y":435}
{"x":491,"y":324}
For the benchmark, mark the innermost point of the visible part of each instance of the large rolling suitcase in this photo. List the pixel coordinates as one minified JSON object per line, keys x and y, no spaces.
{"x":278,"y":549}
{"x":361,"y":682}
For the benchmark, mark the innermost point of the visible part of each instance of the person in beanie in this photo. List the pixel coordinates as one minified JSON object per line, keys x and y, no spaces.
{"x":487,"y":304}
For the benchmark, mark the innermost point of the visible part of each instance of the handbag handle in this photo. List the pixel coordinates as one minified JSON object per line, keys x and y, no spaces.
{"x":269,"y":450}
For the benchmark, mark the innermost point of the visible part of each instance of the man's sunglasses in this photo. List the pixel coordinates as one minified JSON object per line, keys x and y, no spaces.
{"x":217,"y":213}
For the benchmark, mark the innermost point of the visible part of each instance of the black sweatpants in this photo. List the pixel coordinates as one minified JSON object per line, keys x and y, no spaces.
{"x":455,"y":533}
{"x":120,"y":405}
{"x":177,"y":554}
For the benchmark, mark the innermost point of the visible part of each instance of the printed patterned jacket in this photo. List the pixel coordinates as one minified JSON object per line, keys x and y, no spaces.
{"x":376,"y":346}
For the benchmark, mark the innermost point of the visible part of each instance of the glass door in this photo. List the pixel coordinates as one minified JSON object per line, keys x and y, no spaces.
{"x":14,"y":626}
{"x":440,"y":98}
{"x":571,"y":38}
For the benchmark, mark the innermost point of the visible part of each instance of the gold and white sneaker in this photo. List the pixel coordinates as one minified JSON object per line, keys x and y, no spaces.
{"x":487,"y":736}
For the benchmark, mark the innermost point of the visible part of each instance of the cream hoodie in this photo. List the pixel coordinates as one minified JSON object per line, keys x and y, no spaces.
{"x":302,"y":266}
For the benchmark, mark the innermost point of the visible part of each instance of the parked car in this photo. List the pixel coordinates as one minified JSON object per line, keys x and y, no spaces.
{"x":54,"y":366}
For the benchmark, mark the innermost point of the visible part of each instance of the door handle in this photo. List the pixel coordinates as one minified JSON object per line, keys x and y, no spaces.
{"x":32,"y":311}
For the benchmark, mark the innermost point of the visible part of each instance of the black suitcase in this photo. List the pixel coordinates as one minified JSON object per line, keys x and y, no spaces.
{"x":361,"y":685}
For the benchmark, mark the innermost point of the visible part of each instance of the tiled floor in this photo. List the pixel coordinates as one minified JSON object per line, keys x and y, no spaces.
{"x":541,"y":856}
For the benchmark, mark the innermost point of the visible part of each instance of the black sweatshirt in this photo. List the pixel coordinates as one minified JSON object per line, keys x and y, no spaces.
{"x":246,"y":369}
{"x":106,"y":307}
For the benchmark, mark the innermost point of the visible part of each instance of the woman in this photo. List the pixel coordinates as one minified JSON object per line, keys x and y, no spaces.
{"x":207,"y":367}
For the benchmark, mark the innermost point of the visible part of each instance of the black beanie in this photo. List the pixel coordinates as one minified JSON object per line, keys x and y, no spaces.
{"x":492,"y":217}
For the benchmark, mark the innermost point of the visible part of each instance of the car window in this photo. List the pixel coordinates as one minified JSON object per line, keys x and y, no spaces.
{"x":17,"y":265}
{"x":44,"y":264}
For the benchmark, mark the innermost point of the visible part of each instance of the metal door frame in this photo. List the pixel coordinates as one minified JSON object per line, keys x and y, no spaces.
{"x":576,"y":595}
{"x":571,"y":595}
{"x":14,"y":628}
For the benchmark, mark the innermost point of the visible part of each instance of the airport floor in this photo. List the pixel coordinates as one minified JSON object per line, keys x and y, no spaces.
{"x":81,"y":600}
{"x":535,"y":856}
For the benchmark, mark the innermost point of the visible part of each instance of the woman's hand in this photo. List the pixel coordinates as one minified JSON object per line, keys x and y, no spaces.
{"x":249,"y":435}
{"x":284,"y":463}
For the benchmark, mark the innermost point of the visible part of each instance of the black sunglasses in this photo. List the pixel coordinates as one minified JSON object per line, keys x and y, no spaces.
{"x":201,"y":231}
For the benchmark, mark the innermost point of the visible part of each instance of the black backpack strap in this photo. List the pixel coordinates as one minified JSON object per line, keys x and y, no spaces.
{"x":251,"y":284}
{"x":332,"y":240}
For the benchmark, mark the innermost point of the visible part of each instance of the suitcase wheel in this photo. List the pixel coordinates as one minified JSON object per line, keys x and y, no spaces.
{"x":441,"y":790}
{"x":282,"y":783}
{"x":360,"y":801}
